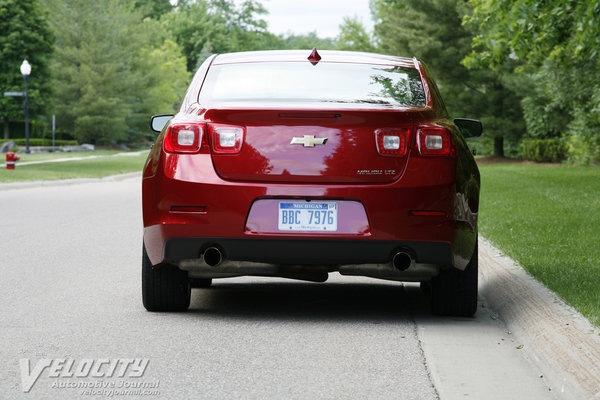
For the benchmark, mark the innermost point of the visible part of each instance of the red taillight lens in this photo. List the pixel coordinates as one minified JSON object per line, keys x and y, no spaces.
{"x":183,"y":137}
{"x":226,"y":139}
{"x":393,"y":141}
{"x":434,"y":141}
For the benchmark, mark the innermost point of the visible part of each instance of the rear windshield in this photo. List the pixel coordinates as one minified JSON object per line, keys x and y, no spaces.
{"x":268,"y":82}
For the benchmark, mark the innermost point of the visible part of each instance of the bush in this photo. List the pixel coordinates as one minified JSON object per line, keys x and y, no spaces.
{"x":41,"y":142}
{"x":583,"y":150}
{"x":544,"y":150}
{"x":584,"y":140}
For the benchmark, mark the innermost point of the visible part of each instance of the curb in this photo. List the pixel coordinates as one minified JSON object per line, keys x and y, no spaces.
{"x":559,"y":341}
{"x":63,"y":182}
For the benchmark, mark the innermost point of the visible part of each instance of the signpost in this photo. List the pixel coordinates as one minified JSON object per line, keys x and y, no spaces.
{"x":26,"y":70}
{"x":53,"y":130}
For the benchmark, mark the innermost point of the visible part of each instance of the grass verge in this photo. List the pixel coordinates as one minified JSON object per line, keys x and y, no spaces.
{"x":548,"y":218}
{"x":57,"y":155}
{"x":87,"y":168}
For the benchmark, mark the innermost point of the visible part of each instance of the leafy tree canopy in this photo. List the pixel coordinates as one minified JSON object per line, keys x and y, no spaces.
{"x":553,"y":46}
{"x":306,"y":41}
{"x":154,"y":8}
{"x":204,"y":27}
{"x":354,"y":36}
{"x":24,"y":34}
{"x":109,"y":63}
{"x":432,"y":30}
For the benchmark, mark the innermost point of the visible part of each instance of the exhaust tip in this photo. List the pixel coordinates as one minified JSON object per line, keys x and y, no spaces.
{"x":213,"y":257}
{"x":401,"y":261}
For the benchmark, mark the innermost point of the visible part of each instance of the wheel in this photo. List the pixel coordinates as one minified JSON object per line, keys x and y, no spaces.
{"x":454,"y":292}
{"x":200,"y":282}
{"x":165,"y":287}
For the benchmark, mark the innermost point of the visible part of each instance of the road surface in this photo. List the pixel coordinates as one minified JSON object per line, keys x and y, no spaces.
{"x":72,"y":323}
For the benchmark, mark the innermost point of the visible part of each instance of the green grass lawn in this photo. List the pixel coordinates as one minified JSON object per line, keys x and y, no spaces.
{"x":90,"y":168}
{"x":54,"y":156}
{"x":548,"y":218}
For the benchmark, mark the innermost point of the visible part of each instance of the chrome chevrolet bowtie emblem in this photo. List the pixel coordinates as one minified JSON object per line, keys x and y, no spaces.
{"x":308,"y":140}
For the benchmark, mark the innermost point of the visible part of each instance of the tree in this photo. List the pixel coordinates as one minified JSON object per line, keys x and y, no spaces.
{"x":165,"y":79}
{"x":306,"y":42}
{"x":553,"y":46}
{"x":108,"y":65}
{"x":432,"y":30}
{"x":24,"y":34}
{"x":205,"y":27}
{"x":354,"y":36}
{"x":154,"y":8}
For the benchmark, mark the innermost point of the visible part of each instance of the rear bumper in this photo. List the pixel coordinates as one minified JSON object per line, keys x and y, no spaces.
{"x":306,"y":251}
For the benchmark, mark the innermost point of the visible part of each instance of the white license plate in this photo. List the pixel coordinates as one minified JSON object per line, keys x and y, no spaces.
{"x":308,"y":216}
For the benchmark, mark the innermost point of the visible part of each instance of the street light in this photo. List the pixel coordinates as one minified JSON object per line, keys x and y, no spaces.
{"x":26,"y":70}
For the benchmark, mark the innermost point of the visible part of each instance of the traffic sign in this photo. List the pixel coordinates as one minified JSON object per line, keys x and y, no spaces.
{"x":14,"y":94}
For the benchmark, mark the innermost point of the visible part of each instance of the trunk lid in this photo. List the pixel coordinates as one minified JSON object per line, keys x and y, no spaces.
{"x":290,"y":146}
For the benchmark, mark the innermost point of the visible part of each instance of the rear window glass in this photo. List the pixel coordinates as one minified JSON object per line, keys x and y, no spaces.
{"x":323,"y":83}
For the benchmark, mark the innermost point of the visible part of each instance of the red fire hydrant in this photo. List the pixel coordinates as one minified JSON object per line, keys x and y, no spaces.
{"x":11,"y":160}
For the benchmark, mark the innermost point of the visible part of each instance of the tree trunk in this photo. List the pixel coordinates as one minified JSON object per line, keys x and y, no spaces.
{"x":499,"y":146}
{"x":6,"y":128}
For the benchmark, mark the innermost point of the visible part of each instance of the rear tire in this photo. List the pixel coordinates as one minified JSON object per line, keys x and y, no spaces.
{"x":164,"y":287}
{"x":454,"y":292}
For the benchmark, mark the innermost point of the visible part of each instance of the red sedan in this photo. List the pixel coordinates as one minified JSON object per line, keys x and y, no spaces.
{"x":297,"y":164}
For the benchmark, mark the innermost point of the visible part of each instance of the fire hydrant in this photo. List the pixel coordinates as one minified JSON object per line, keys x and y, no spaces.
{"x":11,"y":160}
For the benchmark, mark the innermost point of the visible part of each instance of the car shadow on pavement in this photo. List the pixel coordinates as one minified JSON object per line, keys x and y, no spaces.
{"x":291,"y":300}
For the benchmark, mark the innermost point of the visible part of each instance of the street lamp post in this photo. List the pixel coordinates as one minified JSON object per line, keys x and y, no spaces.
{"x":26,"y":70}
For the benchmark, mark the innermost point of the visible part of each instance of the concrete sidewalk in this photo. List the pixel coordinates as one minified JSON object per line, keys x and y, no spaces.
{"x":558,"y":340}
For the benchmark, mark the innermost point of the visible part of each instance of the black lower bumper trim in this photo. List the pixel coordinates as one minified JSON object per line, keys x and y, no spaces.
{"x":307,"y":251}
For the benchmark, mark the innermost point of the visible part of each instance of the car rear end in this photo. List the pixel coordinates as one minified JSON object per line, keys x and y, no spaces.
{"x":279,"y":165}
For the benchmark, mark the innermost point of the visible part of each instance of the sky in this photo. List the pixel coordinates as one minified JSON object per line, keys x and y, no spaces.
{"x":322,"y":16}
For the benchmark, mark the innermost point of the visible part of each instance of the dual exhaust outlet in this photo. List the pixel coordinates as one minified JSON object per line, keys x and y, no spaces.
{"x":213,"y":258}
{"x":401,"y":261}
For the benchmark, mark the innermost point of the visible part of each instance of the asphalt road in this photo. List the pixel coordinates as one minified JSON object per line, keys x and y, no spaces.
{"x":70,"y":296}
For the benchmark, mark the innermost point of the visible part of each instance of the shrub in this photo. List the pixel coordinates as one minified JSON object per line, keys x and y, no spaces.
{"x":41,"y":142}
{"x":544,"y":150}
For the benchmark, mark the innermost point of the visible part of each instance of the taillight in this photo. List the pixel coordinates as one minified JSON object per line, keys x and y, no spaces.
{"x":183,"y":137}
{"x":434,"y":141}
{"x":393,"y":141}
{"x":226,"y":139}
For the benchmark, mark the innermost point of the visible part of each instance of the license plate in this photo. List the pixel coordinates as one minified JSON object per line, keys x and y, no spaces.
{"x":308,"y":216}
